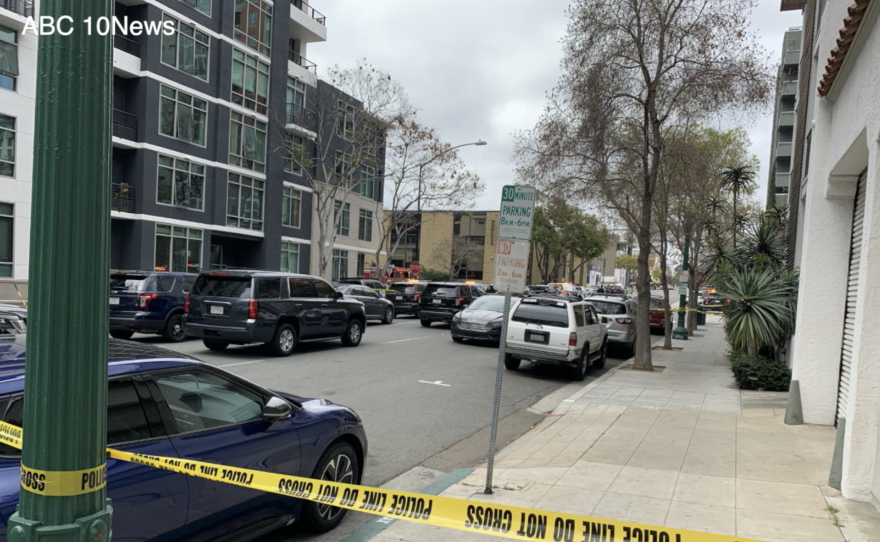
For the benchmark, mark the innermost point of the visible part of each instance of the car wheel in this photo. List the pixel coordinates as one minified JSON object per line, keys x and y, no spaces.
{"x":284,"y":340}
{"x":121,"y":333}
{"x":215,"y":345}
{"x":426,"y":322}
{"x":599,"y":362}
{"x":457,"y":339}
{"x":353,"y":333}
{"x":173,"y":331}
{"x":338,"y":464}
{"x":511,"y":363}
{"x":389,"y":316}
{"x":580,"y":368}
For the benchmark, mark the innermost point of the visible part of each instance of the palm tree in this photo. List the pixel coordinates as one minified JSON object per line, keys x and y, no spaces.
{"x":739,"y":178}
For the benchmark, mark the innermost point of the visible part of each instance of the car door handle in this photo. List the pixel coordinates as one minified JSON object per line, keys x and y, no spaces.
{"x":325,"y":305}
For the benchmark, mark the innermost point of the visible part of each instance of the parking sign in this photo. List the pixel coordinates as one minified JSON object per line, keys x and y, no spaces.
{"x":517,"y":212}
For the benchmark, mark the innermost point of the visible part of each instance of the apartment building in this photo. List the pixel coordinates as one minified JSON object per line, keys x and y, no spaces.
{"x":784,"y":119}
{"x":215,"y":133}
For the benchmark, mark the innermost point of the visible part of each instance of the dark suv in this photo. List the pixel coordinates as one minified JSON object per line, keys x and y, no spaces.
{"x":148,"y":302}
{"x":406,"y":296}
{"x":440,"y":301}
{"x":278,"y":309}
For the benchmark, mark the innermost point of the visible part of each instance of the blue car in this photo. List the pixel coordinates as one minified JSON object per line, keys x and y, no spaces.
{"x":162,"y":404}
{"x":149,"y":302}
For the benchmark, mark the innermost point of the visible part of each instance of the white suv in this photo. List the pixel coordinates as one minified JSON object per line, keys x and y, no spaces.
{"x":557,"y":332}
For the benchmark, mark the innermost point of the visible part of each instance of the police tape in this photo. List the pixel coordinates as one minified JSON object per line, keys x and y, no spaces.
{"x":676,"y":311}
{"x":499,"y":520}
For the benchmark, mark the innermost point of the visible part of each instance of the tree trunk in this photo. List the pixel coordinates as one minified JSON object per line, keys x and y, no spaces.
{"x":643,"y":327}
{"x":752,"y":349}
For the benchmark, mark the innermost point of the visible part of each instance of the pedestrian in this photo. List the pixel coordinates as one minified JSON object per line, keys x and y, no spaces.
{"x":601,"y":290}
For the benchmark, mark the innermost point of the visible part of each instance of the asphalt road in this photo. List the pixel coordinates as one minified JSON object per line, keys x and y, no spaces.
{"x":417,"y":392}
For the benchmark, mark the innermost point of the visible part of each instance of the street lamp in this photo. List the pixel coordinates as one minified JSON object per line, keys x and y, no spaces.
{"x":416,"y":254}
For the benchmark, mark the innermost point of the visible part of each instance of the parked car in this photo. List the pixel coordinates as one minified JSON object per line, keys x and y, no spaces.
{"x":713,"y":303}
{"x":440,"y":301}
{"x":162,"y":403}
{"x":619,"y":317}
{"x":376,"y":307}
{"x":537,"y":289}
{"x":369,"y":283}
{"x":11,"y":324}
{"x":481,"y":320}
{"x":556,"y":332}
{"x":278,"y":309}
{"x":21,"y":312}
{"x":657,"y":316}
{"x":405,"y":296}
{"x":148,"y":302}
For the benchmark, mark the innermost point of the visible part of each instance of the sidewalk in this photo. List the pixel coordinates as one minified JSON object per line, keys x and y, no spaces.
{"x":681,"y":448}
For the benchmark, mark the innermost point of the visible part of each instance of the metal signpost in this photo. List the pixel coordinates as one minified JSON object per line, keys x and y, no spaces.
{"x":511,"y":266}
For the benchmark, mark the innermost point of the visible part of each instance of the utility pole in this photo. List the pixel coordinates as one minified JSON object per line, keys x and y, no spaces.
{"x":65,"y":401}
{"x":680,"y":332}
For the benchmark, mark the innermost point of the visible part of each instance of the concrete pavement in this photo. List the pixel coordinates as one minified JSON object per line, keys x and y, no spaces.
{"x":681,"y":448}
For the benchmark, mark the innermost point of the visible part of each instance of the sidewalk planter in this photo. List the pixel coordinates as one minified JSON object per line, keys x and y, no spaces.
{"x":760,"y":373}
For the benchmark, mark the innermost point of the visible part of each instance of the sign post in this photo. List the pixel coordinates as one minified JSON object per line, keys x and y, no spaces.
{"x":511,"y":266}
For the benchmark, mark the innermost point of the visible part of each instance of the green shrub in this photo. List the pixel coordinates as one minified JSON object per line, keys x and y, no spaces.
{"x":434,"y":275}
{"x":760,"y":373}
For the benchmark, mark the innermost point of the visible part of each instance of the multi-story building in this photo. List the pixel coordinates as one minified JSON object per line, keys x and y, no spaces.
{"x":784,"y":119}
{"x":214,"y":139}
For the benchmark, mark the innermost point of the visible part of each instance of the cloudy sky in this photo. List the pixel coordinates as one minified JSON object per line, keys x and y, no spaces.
{"x":480,"y":69}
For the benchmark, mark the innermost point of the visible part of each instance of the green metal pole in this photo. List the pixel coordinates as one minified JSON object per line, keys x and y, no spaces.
{"x":63,"y":496}
{"x":680,"y":332}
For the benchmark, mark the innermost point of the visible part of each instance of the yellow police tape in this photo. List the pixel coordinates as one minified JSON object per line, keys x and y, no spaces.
{"x":694,"y":310}
{"x":500,"y":520}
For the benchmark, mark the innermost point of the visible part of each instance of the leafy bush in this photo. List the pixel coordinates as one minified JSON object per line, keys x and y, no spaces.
{"x":434,"y":275}
{"x":759,"y":373}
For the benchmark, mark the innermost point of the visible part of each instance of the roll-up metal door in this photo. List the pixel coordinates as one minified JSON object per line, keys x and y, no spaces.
{"x":852,"y":292}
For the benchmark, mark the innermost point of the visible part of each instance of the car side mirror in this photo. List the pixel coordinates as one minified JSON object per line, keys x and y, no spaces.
{"x":339,"y":295}
{"x":276,"y":409}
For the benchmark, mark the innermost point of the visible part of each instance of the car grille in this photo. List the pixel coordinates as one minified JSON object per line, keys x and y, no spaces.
{"x":468,"y":326}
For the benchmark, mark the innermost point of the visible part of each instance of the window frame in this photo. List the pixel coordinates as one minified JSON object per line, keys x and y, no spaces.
{"x":345,"y":122}
{"x":290,"y":144}
{"x":176,"y":121}
{"x":13,"y":131}
{"x":365,"y":234}
{"x":174,"y":172}
{"x":365,"y":182}
{"x":238,"y":124}
{"x":343,"y":228}
{"x":9,"y":75}
{"x":253,"y":187}
{"x":260,"y":68}
{"x":11,"y":219}
{"x":259,"y":7}
{"x":338,"y":256}
{"x":295,"y":211}
{"x":179,"y":48}
{"x":285,"y":250}
{"x":196,"y":5}
{"x":187,"y":238}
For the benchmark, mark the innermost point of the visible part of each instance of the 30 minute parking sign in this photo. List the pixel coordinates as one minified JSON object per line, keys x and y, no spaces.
{"x":517,"y":212}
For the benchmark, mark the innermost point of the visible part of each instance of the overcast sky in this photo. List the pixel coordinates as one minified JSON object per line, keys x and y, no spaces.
{"x":480,"y":69}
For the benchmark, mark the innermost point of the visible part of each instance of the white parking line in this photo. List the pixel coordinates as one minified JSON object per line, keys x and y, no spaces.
{"x":413,"y":339}
{"x":438,"y":383}
{"x":242,"y":363}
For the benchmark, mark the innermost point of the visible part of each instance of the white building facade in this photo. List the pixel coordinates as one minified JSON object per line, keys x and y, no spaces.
{"x":835,"y":349}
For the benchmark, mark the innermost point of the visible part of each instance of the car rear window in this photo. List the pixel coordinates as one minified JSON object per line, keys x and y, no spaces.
{"x":609,"y":307}
{"x":545,"y":315}
{"x":446,"y":291}
{"x":130,"y":283}
{"x":488,"y":303}
{"x":213,"y":286}
{"x":656,"y":303}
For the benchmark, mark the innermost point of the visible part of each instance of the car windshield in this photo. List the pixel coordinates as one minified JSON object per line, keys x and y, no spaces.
{"x":656,"y":303}
{"x":223,"y":286}
{"x":130,"y":283}
{"x":405,"y":288}
{"x":446,"y":291}
{"x":545,"y":315}
{"x":609,"y":307}
{"x":488,"y":303}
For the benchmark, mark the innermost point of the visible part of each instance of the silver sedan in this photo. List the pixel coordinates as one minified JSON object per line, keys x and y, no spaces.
{"x":619,"y":316}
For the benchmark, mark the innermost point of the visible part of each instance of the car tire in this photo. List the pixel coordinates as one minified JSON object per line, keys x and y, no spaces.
{"x":338,"y":464}
{"x":353,"y":333}
{"x":173,"y":331}
{"x":284,"y":341}
{"x":121,"y":333}
{"x":631,"y":349}
{"x":511,"y":363}
{"x":215,"y":345}
{"x":599,"y":362}
{"x":426,"y":322}
{"x":389,"y":316}
{"x":580,"y":368}
{"x":457,"y":339}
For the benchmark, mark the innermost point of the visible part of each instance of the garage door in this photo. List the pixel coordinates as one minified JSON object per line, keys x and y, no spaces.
{"x":852,"y":290}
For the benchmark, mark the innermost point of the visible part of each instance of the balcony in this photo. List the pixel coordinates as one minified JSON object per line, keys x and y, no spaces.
{"x":125,"y":45}
{"x":306,"y":23}
{"x":125,"y":125}
{"x":783,"y":150}
{"x":786,"y":118}
{"x":297,"y":58}
{"x":122,"y":197}
{"x":782,"y":179}
{"x":791,"y":5}
{"x":789,"y":88}
{"x":25,"y":8}
{"x":792,"y":56}
{"x":301,"y":120}
{"x":310,"y":11}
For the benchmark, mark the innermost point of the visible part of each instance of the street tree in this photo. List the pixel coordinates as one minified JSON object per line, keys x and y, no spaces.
{"x":739,"y":179}
{"x":459,"y":253}
{"x":633,"y":70}
{"x":562,"y":234}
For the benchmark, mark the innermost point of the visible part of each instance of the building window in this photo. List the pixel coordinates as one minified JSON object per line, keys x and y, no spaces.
{"x":201,"y":5}
{"x":342,"y":224}
{"x":178,"y":249}
{"x":341,"y":169}
{"x":289,"y":257}
{"x":186,"y":50}
{"x":7,"y":219}
{"x":182,"y":116}
{"x":253,"y":24}
{"x":7,"y":146}
{"x":365,"y":186}
{"x":296,"y":92}
{"x":247,"y":142}
{"x":361,"y":264}
{"x":244,"y":202}
{"x":8,"y":58}
{"x":250,"y":81}
{"x":340,"y":264}
{"x":294,"y":154}
{"x":365,"y":225}
{"x":181,"y":183}
{"x":345,"y":122}
{"x":291,"y":203}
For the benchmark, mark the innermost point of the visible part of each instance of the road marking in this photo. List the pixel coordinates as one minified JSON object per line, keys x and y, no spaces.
{"x":413,"y":339}
{"x":438,"y":383}
{"x":242,"y":363}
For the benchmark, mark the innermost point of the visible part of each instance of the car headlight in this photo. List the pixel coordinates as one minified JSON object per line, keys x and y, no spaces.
{"x":457,"y":317}
{"x":496,"y":324}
